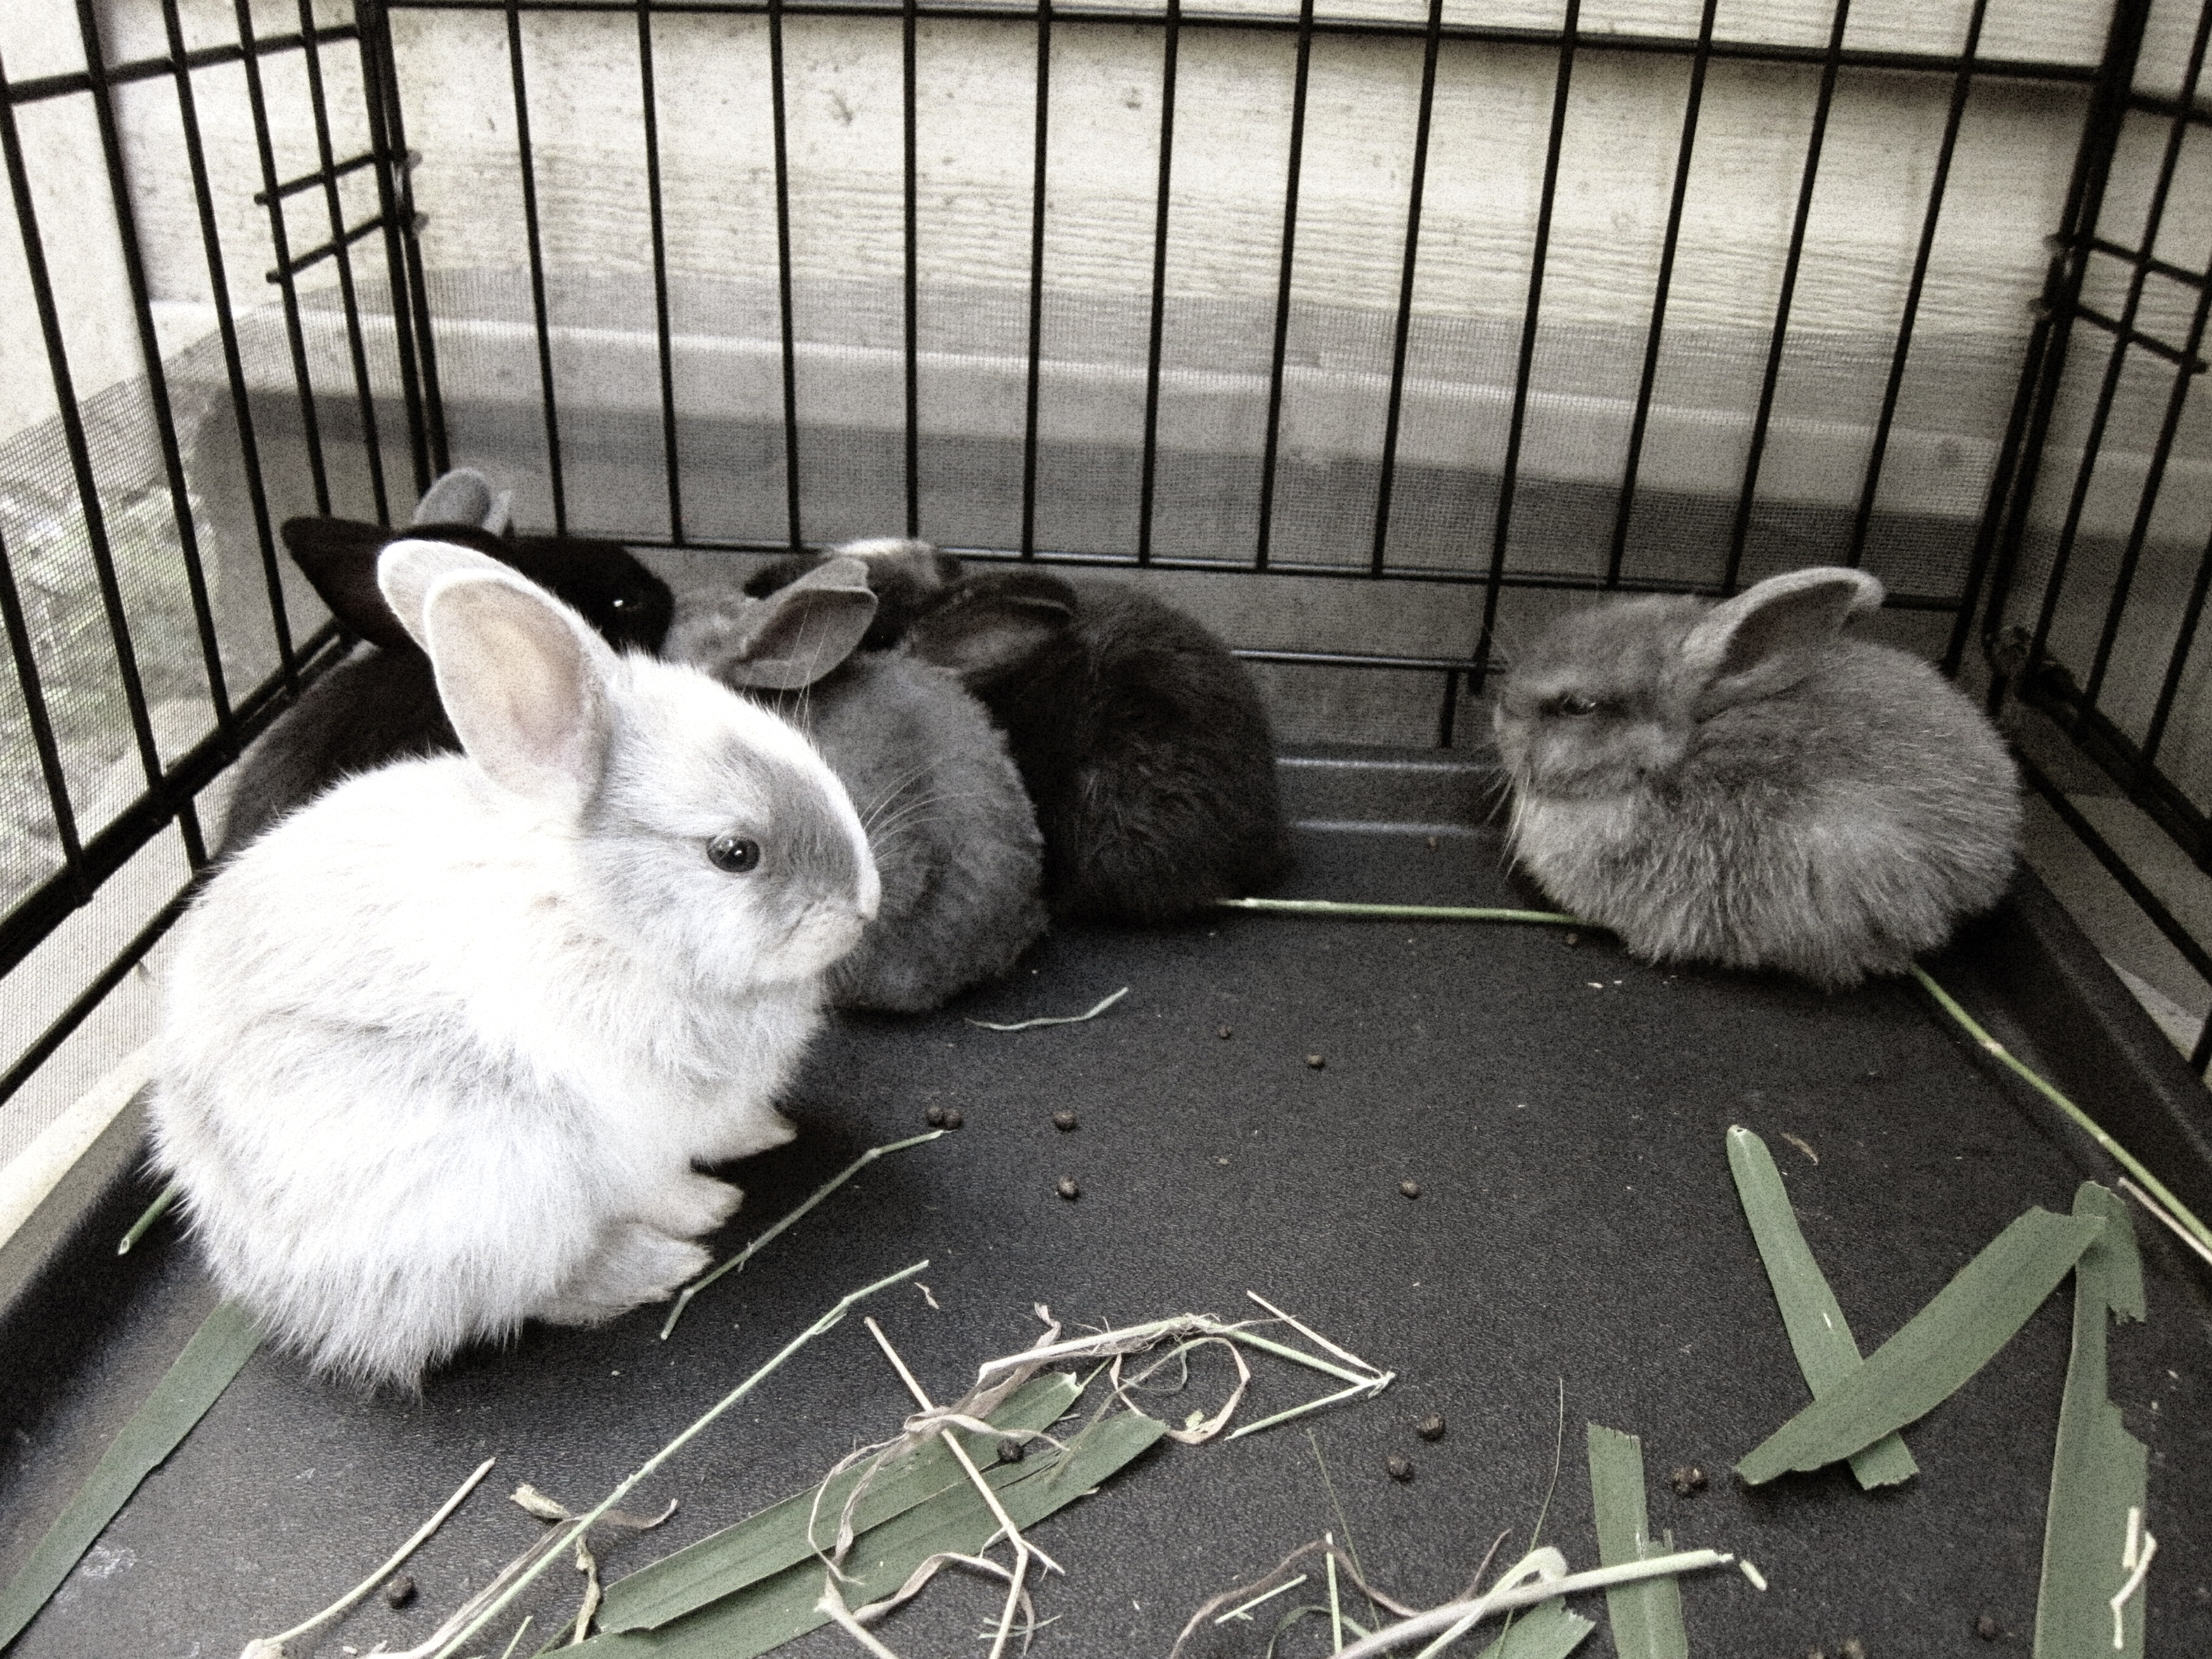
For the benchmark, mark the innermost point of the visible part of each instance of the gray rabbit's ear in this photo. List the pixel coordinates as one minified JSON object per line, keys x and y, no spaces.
{"x":1758,"y":643}
{"x":404,"y":571}
{"x":991,"y":625}
{"x":525,"y":682}
{"x":465,"y":495}
{"x":794,"y":637}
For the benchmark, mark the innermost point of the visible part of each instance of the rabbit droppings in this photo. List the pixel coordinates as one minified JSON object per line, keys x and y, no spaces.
{"x":441,"y":1048}
{"x":381,"y":703}
{"x":1736,"y":783}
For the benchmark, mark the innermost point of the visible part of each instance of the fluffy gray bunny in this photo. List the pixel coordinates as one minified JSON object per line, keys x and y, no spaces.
{"x":1739,"y":783}
{"x":954,"y":840}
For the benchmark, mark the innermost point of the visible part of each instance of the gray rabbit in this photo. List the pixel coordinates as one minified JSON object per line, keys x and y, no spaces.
{"x":955,"y":841}
{"x":1740,"y":784}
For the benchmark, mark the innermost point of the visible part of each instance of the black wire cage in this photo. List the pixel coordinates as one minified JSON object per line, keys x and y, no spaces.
{"x":1372,"y":334}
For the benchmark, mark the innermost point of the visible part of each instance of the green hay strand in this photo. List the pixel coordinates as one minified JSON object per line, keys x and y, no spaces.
{"x":2099,"y":1471}
{"x":1647,"y":1616}
{"x":153,"y":1212}
{"x":1405,"y":912}
{"x":766,"y":1543}
{"x":2121,"y":1155}
{"x":1819,"y":1334}
{"x":775,"y":1610}
{"x":217,"y":1351}
{"x":1944,"y":1344}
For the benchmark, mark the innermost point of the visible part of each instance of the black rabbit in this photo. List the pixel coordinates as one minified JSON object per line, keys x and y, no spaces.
{"x":381,"y":704}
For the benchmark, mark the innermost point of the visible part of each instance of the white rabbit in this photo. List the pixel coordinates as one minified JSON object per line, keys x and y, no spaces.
{"x":441,"y":1049}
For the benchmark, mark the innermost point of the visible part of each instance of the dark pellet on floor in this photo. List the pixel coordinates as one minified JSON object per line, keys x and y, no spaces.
{"x":1225,"y":1033}
{"x":935,"y":1117}
{"x":1066,"y":1188}
{"x":1688,"y":1477}
{"x":1402,"y":1468}
{"x":1063,"y":1120}
{"x":399,"y":1592}
{"x":952,"y":1119}
{"x":1430,"y":1428}
{"x":1316,"y":1060}
{"x":1987,"y":1628}
{"x":1411,"y":1188}
{"x":1010,"y":1450}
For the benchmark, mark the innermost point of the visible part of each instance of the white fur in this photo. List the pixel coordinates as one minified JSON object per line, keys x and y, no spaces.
{"x":439,"y":1057}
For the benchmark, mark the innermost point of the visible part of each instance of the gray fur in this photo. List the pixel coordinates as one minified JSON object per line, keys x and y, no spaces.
{"x":1751,"y":789}
{"x":954,"y":838}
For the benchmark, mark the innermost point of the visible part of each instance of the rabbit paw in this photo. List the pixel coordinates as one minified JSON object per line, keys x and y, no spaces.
{"x":635,"y":1262}
{"x":691,"y":1203}
{"x":756,"y":1129}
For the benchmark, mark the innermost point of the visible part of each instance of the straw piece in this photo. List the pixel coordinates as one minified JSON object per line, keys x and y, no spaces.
{"x":1061,"y":1019}
{"x":699,"y":1426}
{"x":1539,"y":1577}
{"x":737,"y":1262}
{"x":273,"y":1647}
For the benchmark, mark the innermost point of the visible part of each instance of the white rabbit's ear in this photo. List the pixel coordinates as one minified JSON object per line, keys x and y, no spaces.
{"x":1753,"y":645}
{"x":463,"y":496}
{"x":524,"y":682}
{"x":797,"y":634}
{"x":405,"y":570}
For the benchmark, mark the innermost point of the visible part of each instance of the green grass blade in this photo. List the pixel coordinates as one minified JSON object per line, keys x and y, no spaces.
{"x":767,"y":1543}
{"x":1402,"y":912}
{"x":767,"y":1614}
{"x":1819,"y":1334}
{"x":1943,"y":1345}
{"x":2098,"y":1470}
{"x":1548,"y":1632}
{"x":217,"y":1351}
{"x":1646,"y":1617}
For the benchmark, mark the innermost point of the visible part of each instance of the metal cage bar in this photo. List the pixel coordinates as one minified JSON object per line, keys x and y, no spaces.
{"x":1994,"y":561}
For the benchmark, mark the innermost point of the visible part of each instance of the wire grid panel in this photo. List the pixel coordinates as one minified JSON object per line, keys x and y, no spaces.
{"x":202,"y":225}
{"x":1399,"y":296}
{"x":2103,"y":534}
{"x":1374,"y":333}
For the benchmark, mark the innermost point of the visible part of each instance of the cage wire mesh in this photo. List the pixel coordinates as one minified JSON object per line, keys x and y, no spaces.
{"x":1373,"y":334}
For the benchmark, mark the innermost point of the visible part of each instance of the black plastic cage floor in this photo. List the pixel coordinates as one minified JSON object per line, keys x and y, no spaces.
{"x":1562,"y":1108}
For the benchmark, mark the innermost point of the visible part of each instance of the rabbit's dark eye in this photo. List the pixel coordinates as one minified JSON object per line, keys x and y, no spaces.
{"x":733,"y":854}
{"x":621,"y":603}
{"x":1572,"y":704}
